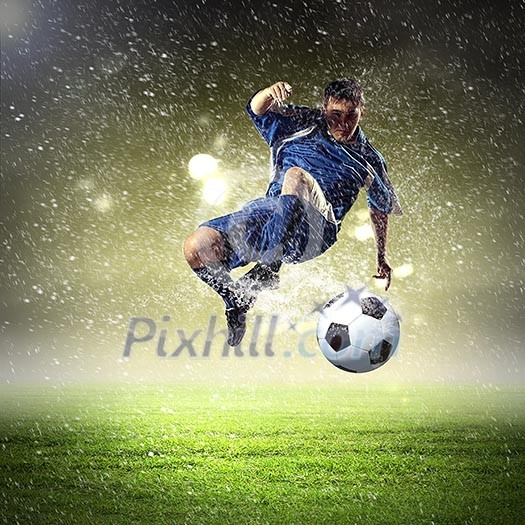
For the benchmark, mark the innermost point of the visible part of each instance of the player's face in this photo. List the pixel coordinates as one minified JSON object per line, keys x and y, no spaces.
{"x":342,"y":118}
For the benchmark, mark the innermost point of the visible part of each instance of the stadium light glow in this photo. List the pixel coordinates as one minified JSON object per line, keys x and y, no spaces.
{"x":104,"y":203}
{"x":403,"y":271}
{"x":363,"y":233}
{"x":202,"y":166}
{"x":214,"y":190}
{"x":380,"y":283}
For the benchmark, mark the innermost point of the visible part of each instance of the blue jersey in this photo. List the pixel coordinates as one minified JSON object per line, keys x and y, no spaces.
{"x":284,"y":228}
{"x":298,"y":136}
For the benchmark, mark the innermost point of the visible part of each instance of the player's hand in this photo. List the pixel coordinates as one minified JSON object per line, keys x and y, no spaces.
{"x":280,"y":91}
{"x":384,"y":271}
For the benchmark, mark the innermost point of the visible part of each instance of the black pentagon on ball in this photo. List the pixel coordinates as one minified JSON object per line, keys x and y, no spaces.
{"x":373,"y":307}
{"x":337,"y":336}
{"x":380,"y":353}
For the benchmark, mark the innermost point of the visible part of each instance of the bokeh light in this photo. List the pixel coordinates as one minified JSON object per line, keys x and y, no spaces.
{"x":364,"y":232}
{"x":202,"y":166}
{"x":214,"y":190}
{"x":103,"y":203}
{"x":403,"y":271}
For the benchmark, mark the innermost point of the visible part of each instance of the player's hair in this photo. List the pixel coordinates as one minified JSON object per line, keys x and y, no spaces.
{"x":344,"y":89}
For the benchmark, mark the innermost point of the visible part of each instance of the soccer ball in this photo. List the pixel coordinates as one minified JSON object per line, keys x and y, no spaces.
{"x":358,"y":331}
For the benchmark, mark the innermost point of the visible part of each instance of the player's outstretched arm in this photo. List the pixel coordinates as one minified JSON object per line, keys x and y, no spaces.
{"x":380,"y":226}
{"x":275,"y":94}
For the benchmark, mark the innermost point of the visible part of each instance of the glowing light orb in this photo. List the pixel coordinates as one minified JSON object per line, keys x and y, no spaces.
{"x":202,"y":166}
{"x":380,"y":283}
{"x":403,"y":271}
{"x":104,"y":203}
{"x":362,"y":233}
{"x":398,"y":273}
{"x":214,"y":191}
{"x":363,"y":215}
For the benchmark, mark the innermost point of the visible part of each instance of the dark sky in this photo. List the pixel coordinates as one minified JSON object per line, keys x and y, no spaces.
{"x":104,"y":103}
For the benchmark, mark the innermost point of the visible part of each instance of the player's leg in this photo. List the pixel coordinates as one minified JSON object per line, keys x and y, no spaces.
{"x":205,"y":252}
{"x":203,"y":247}
{"x":299,"y":183}
{"x":276,"y":233}
{"x":319,"y":214}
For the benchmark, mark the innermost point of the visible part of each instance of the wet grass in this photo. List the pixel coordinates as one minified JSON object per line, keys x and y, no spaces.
{"x":125,"y":455}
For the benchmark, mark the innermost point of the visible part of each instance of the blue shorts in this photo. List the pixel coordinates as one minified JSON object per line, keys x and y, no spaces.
{"x":270,"y":229}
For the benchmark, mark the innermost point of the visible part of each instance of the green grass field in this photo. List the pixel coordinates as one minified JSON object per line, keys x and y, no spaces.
{"x":243,"y":455}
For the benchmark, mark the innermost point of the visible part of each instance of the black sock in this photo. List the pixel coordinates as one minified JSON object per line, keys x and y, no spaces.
{"x":216,"y":276}
{"x":275,"y":266}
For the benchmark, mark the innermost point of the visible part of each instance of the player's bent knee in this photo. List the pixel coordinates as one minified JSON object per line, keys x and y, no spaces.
{"x":191,"y":251}
{"x":295,"y":174}
{"x":202,"y":247}
{"x":297,"y":178}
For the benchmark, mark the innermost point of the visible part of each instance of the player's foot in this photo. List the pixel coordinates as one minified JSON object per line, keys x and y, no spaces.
{"x":236,"y":320}
{"x":260,"y":277}
{"x":241,"y":301}
{"x":245,"y":292}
